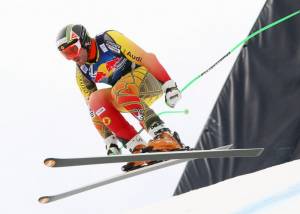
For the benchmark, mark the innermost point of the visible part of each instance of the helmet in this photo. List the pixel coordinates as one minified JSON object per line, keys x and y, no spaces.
{"x":70,"y":34}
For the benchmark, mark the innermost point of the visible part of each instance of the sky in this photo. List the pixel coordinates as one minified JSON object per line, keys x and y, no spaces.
{"x":44,"y":115}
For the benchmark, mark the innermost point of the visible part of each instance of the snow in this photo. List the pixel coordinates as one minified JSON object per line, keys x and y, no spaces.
{"x":275,"y":190}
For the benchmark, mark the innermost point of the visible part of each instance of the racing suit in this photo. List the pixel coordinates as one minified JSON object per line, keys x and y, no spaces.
{"x":135,"y":77}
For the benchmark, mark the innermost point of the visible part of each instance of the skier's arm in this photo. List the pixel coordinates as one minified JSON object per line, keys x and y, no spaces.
{"x":87,"y":87}
{"x":137,"y":55}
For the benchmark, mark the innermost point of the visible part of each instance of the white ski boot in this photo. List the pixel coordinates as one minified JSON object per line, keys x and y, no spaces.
{"x":135,"y":146}
{"x":112,"y":147}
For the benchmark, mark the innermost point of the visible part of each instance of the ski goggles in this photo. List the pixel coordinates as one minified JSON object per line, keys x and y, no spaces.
{"x":71,"y":50}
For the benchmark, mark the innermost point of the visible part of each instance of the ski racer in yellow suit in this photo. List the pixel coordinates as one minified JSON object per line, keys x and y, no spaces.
{"x":137,"y":79}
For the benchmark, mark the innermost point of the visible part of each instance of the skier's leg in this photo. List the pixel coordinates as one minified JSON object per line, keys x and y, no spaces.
{"x":135,"y":92}
{"x":110,"y":139}
{"x":101,"y":104}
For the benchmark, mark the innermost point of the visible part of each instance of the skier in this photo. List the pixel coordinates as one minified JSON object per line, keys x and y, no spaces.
{"x":137,"y":79}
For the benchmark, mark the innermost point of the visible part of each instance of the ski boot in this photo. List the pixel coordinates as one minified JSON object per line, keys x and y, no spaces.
{"x":112,"y":147}
{"x":135,"y":146}
{"x":163,"y":140}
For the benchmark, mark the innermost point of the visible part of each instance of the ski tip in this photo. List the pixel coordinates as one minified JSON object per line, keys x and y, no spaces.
{"x":50,"y":162}
{"x":44,"y":199}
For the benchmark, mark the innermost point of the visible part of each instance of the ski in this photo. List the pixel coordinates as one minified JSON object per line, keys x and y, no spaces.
{"x":154,"y":156}
{"x":121,"y":176}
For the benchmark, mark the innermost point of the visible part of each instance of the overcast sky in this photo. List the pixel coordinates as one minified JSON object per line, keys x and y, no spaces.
{"x":44,"y":115}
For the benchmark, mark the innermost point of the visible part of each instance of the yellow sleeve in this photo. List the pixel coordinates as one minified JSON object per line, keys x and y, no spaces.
{"x":128,"y":48}
{"x":136,"y":54}
{"x":86,"y":86}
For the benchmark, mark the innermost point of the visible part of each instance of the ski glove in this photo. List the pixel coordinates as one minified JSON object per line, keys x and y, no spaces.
{"x":172,"y":93}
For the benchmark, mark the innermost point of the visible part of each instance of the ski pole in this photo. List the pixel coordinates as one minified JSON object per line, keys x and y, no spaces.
{"x":239,"y":44}
{"x":186,"y":111}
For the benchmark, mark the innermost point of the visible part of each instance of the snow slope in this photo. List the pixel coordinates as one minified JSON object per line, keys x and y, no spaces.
{"x":270,"y":191}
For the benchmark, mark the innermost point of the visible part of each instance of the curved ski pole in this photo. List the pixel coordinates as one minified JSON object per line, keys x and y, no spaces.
{"x":186,"y":111}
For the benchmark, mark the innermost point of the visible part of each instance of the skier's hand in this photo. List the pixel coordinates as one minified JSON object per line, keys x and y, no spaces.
{"x":172,"y":93}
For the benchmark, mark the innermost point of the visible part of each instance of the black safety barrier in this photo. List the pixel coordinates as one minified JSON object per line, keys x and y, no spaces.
{"x":259,"y":105}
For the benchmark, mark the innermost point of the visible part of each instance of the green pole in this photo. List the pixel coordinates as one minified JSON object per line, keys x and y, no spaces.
{"x":241,"y":43}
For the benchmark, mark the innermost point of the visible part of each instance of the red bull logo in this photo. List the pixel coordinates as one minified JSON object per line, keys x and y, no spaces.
{"x":110,"y":65}
{"x":106,"y":69}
